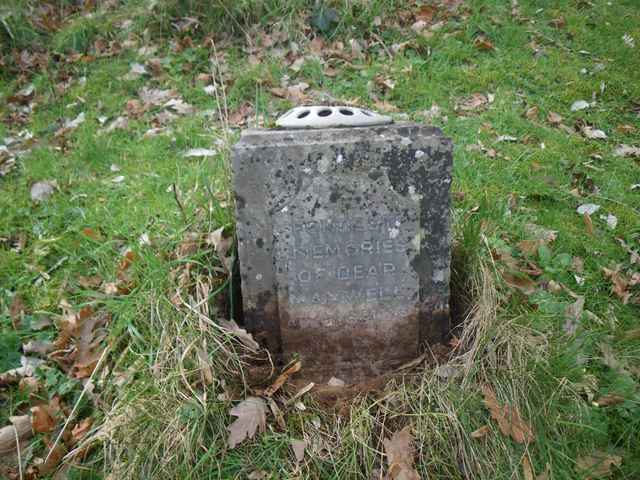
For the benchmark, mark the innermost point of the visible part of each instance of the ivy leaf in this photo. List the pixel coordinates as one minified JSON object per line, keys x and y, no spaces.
{"x":323,"y":18}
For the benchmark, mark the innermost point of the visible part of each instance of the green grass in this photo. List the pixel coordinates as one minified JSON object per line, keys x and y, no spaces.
{"x":153,"y":424}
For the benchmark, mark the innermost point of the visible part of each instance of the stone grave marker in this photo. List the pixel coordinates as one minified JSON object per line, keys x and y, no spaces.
{"x":344,"y":243}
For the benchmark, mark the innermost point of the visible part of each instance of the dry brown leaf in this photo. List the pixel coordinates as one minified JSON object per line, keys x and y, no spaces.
{"x":508,"y":418}
{"x":483,"y":43}
{"x":282,"y":379}
{"x":42,"y":420}
{"x":572,"y":315}
{"x":476,"y":101}
{"x":627,"y":151}
{"x":527,"y":469}
{"x":481,"y":432}
{"x":252,"y":416}
{"x":609,"y":400}
{"x":17,"y":310}
{"x":400,"y":452}
{"x":597,"y":465}
{"x":80,"y":429}
{"x":530,"y":247}
{"x":619,"y":284}
{"x":205,"y":368}
{"x":155,"y":96}
{"x":246,"y":338}
{"x":222,"y":247}
{"x":520,"y":281}
{"x":532,"y":113}
{"x":298,"y":447}
{"x":554,"y":119}
{"x":588,"y":223}
{"x":593,"y":133}
{"x":239,"y":117}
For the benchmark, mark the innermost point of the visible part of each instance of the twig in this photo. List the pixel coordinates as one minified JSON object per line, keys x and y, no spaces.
{"x":15,"y":431}
{"x":180,"y":206}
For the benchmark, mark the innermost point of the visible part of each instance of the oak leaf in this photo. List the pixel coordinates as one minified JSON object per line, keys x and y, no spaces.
{"x":252,"y":417}
{"x":597,"y":464}
{"x":400,"y":452}
{"x":508,"y":418}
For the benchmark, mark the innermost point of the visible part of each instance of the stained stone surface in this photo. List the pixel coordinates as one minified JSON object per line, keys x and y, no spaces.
{"x":344,"y":243}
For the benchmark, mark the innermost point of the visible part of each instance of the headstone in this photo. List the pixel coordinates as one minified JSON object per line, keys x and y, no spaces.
{"x":344,"y":243}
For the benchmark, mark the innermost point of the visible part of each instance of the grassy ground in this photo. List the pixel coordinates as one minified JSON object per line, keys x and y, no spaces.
{"x":162,"y":391}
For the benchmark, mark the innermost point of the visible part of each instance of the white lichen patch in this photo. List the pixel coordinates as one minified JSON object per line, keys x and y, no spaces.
{"x":339,"y":159}
{"x":259,"y":277}
{"x":323,"y":165}
{"x":438,"y":276}
{"x":394,"y":232}
{"x":419,"y":154}
{"x":306,"y":170}
{"x":416,"y":197}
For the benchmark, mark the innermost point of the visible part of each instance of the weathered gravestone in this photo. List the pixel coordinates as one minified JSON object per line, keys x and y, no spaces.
{"x":344,"y":243}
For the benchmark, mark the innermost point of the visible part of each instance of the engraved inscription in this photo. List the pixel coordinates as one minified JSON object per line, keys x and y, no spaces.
{"x":335,"y":245}
{"x":348,"y":260}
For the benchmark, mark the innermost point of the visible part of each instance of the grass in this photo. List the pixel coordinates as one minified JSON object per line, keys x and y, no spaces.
{"x":155,"y":415}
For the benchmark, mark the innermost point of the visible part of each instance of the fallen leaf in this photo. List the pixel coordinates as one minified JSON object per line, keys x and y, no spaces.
{"x":155,"y":96}
{"x":222,"y":247}
{"x":527,"y":469}
{"x":41,"y":191}
{"x":199,"y":152}
{"x":180,"y":106}
{"x":597,"y":465}
{"x":335,"y":382}
{"x":483,"y":43}
{"x":119,"y":123}
{"x":251,"y":414}
{"x":627,"y":151}
{"x":612,"y":220}
{"x":282,"y":378}
{"x":579,"y":105}
{"x":136,"y":70}
{"x":298,"y":447}
{"x":92,"y":234}
{"x":17,"y":310}
{"x":554,"y":119}
{"x":476,"y":101}
{"x":42,"y":420}
{"x":246,"y":338}
{"x":205,"y":367}
{"x":619,"y":285}
{"x":520,"y":281}
{"x":481,"y":432}
{"x":75,"y":123}
{"x":572,"y":315}
{"x":80,"y":429}
{"x":608,"y":400}
{"x":593,"y":133}
{"x":42,"y":347}
{"x":588,"y":208}
{"x":400,"y":453}
{"x":508,"y":418}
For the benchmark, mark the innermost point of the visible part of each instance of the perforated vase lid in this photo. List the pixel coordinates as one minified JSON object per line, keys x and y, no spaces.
{"x":325,"y":117}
